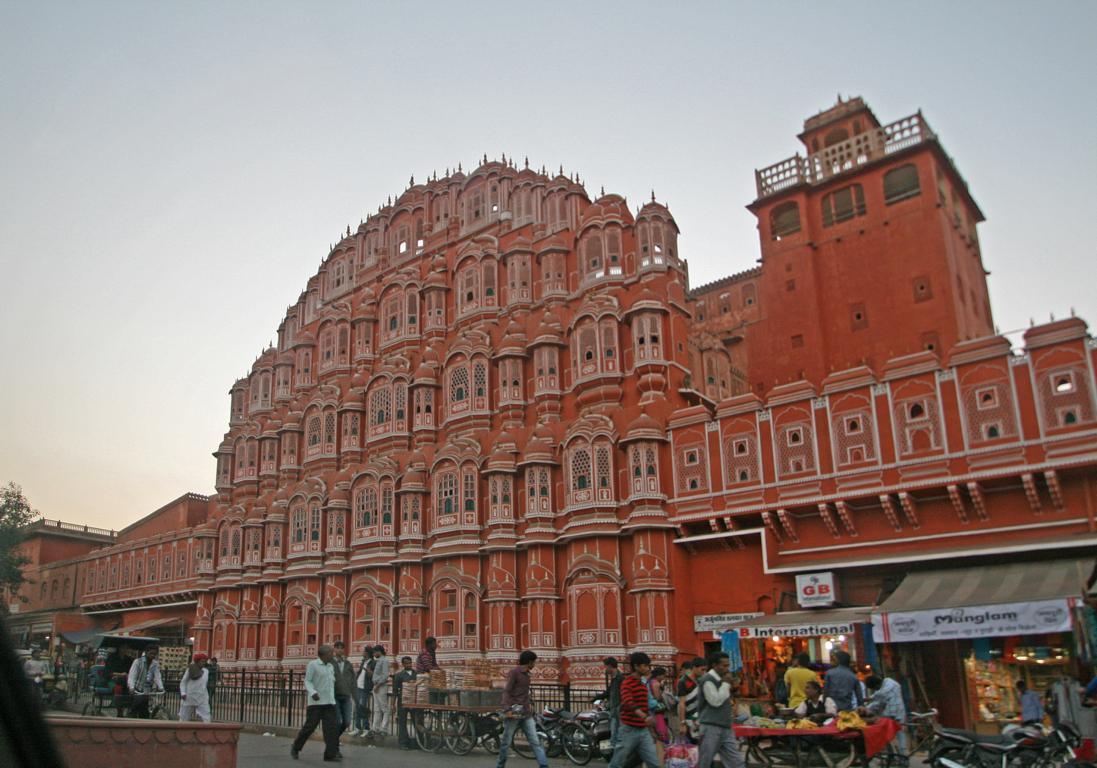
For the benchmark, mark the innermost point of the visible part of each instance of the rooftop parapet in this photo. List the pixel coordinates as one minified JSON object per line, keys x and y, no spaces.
{"x":845,"y":156}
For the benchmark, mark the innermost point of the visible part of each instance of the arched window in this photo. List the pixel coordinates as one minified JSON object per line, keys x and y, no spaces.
{"x":314,"y":435}
{"x":580,"y":470}
{"x":784,"y":220}
{"x":412,"y":315}
{"x":901,"y":183}
{"x":490,"y":298}
{"x":594,"y":267}
{"x":468,"y":490}
{"x":297,"y":526}
{"x":445,"y":498}
{"x":365,"y":509}
{"x":329,"y":432}
{"x":469,"y":287}
{"x":843,"y":205}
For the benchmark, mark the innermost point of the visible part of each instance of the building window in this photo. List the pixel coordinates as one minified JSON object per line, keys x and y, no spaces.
{"x":843,"y":204}
{"x":901,"y":183}
{"x":784,"y":220}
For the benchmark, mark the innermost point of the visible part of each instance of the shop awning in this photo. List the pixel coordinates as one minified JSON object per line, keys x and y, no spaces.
{"x":820,"y":623}
{"x":79,"y":636}
{"x":983,"y":601}
{"x":147,"y":625}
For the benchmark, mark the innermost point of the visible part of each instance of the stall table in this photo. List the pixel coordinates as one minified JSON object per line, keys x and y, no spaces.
{"x":823,"y":747}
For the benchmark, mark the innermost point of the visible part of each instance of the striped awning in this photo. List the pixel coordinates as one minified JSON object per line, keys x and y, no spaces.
{"x":990,"y":585}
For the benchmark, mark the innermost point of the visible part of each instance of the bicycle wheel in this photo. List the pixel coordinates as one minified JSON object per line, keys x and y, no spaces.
{"x":91,"y":710}
{"x":520,"y":744}
{"x":578,"y":743}
{"x":460,"y":733}
{"x":490,"y":731}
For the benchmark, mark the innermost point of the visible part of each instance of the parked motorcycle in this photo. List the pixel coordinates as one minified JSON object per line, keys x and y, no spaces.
{"x":588,"y":735}
{"x":1020,"y":747}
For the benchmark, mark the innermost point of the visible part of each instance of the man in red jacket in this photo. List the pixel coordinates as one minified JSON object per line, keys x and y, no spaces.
{"x":634,"y":734}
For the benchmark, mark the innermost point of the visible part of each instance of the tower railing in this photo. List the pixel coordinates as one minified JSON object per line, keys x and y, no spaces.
{"x":844,"y":156}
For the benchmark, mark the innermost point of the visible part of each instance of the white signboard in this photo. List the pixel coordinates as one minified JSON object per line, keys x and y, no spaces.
{"x":716,"y":622}
{"x":822,"y":629}
{"x":976,"y":621}
{"x":816,"y":589}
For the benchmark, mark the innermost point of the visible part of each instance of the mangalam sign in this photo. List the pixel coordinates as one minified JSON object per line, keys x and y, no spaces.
{"x":1000,"y":620}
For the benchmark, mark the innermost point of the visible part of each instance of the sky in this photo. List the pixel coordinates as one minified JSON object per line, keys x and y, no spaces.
{"x":171,"y":174}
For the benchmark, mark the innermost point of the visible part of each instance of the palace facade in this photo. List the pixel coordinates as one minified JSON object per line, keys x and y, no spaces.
{"x":499,"y":415}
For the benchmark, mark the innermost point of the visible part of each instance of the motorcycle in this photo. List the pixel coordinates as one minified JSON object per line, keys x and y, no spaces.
{"x":589,"y":734}
{"x":1018,"y":747}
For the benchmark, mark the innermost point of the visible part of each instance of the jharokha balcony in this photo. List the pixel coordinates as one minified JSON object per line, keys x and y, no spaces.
{"x":869,"y":146}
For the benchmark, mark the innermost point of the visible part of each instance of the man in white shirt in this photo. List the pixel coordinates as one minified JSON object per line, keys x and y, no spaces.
{"x":715,"y":715}
{"x":380,"y":723}
{"x":320,"y":690}
{"x":194,"y":691}
{"x":144,"y":678}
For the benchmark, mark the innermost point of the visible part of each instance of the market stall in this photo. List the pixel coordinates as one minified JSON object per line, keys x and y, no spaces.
{"x":762,"y":647}
{"x":826,"y":746}
{"x":996,"y":625}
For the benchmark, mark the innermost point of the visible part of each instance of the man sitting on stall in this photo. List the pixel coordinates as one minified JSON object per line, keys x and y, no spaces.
{"x":814,"y":706}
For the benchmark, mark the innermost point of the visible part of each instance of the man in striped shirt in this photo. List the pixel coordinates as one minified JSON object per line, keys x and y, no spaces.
{"x":634,"y":734}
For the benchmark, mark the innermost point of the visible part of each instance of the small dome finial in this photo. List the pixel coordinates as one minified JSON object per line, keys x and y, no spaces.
{"x":411,"y":181}
{"x":653,"y":195}
{"x":459,"y":169}
{"x":527,"y":161}
{"x":603,"y":191}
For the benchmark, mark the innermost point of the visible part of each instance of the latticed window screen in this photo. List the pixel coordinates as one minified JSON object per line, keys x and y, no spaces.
{"x":298,"y":525}
{"x":380,"y":403}
{"x":401,"y":400}
{"x":235,"y":542}
{"x":329,"y":431}
{"x":580,"y":469}
{"x":459,"y":384}
{"x":469,"y":491}
{"x":315,"y":518}
{"x":447,"y":493}
{"x":314,"y":434}
{"x":604,"y":467}
{"x":480,"y":379}
{"x":386,"y":504}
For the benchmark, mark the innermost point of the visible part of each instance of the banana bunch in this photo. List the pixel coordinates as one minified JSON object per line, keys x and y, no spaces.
{"x":848,"y":721}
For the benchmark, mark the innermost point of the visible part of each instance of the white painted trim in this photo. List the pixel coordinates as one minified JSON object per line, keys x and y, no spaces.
{"x":926,"y":556}
{"x":934,"y":536}
{"x":143,"y":607}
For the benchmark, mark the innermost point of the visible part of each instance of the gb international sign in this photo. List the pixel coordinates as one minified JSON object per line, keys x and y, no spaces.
{"x":814,"y":590}
{"x":1000,"y":620}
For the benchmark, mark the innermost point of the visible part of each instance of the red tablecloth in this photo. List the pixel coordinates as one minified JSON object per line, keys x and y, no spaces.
{"x":876,"y":736}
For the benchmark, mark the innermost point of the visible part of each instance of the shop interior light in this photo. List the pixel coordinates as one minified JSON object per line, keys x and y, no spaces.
{"x":776,"y":638}
{"x":829,"y":644}
{"x":1039,"y":661}
{"x":841,"y":638}
{"x":1021,"y":658}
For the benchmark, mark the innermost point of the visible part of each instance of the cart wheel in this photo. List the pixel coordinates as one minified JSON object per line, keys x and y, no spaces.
{"x":578,"y":743}
{"x":89,"y":709}
{"x":460,"y":733}
{"x":428,"y":731}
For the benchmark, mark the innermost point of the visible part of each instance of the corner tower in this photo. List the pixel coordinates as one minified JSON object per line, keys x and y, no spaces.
{"x":869,"y":249}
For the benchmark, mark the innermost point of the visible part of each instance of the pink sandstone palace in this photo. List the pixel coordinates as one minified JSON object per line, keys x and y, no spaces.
{"x":500,"y":415}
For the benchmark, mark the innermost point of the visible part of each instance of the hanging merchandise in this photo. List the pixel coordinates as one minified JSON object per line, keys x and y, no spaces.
{"x":869,"y":655}
{"x":729,"y":644}
{"x":1088,"y":644}
{"x":981,"y":648}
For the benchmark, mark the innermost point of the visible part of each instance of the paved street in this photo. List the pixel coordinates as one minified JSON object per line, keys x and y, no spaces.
{"x":257,"y":751}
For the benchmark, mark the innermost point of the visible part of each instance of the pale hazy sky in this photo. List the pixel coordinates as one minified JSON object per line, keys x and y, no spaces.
{"x":172,"y":173}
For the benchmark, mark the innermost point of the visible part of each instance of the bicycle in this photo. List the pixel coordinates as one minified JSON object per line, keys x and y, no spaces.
{"x":921,"y":728}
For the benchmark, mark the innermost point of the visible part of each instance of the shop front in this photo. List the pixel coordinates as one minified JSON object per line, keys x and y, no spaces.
{"x":964,"y":637}
{"x":763,"y":647}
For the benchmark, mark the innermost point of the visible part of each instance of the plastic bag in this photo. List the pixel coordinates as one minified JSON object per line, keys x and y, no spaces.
{"x":681,"y":754}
